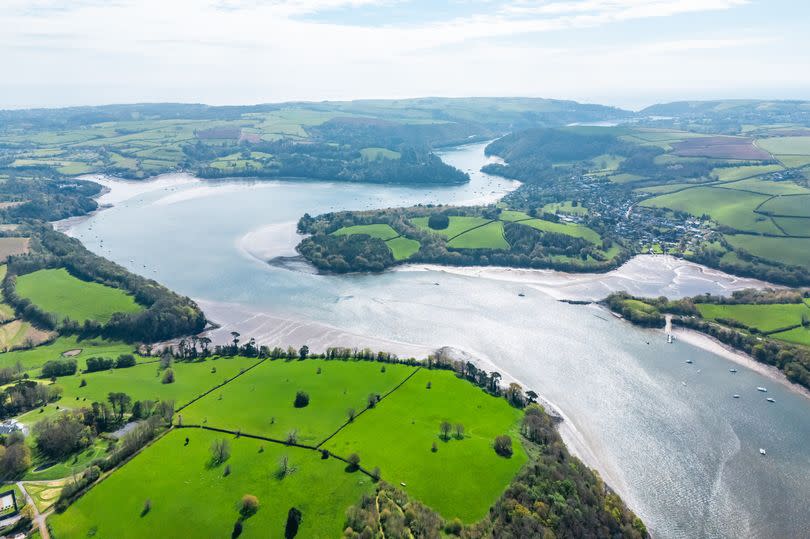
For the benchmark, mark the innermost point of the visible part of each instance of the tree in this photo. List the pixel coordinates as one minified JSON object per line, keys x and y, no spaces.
{"x":375,"y":473}
{"x":301,"y":399}
{"x":350,"y":413}
{"x":434,"y":447}
{"x":503,"y":445}
{"x":220,"y":451}
{"x":249,"y":505}
{"x":531,"y":396}
{"x":61,"y":435}
{"x":284,"y":468}
{"x":444,"y":429}
{"x":354,"y":461}
{"x":303,"y":352}
{"x":438,"y":221}
{"x":168,"y":376}
{"x":124,"y":361}
{"x":294,"y":518}
{"x":15,"y":458}
{"x":373,"y":399}
{"x":459,"y":431}
{"x":120,"y":403}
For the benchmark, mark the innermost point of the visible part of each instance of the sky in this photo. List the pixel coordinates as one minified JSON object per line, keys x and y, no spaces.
{"x":628,"y":53}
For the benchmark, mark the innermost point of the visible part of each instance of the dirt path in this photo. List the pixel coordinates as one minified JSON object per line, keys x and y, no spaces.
{"x":39,"y":518}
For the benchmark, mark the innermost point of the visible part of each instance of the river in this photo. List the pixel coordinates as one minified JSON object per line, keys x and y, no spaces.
{"x":666,"y":434}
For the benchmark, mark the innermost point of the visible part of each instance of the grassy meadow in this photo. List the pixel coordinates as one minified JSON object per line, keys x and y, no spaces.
{"x":381,"y":231}
{"x":57,"y":291}
{"x":80,"y":349}
{"x":765,"y":317}
{"x":488,"y":236}
{"x":458,"y":225}
{"x":793,"y":251}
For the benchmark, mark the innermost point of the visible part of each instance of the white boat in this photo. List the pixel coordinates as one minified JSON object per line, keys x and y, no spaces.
{"x":689,"y":361}
{"x":770,"y":399}
{"x":736,"y":396}
{"x":732,"y":371}
{"x":760,"y":388}
{"x":761,"y":451}
{"x":669,"y":339}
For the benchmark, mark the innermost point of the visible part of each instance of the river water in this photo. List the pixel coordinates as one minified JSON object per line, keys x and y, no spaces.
{"x":666,"y":434}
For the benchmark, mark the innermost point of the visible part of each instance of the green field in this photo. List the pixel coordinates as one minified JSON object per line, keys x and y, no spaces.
{"x":191,"y":498}
{"x":794,"y":161}
{"x":36,"y":357}
{"x":767,"y":187}
{"x":461,"y":479}
{"x":58,"y":292}
{"x":793,"y":226}
{"x":625,"y":178}
{"x":514,"y":216}
{"x":795,"y":206}
{"x":785,"y":145}
{"x":403,"y":248}
{"x":578,"y":231}
{"x":458,"y":224}
{"x":730,"y":174}
{"x":796,"y":336}
{"x":565,"y":208}
{"x":373,"y":154}
{"x":261,"y":402}
{"x":726,"y":206}
{"x":489,"y":236}
{"x":793,"y":251}
{"x":763,"y":317}
{"x":382,"y":231}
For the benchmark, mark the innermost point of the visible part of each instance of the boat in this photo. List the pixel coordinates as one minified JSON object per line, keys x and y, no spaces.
{"x":760,"y":388}
{"x":732,"y":371}
{"x":522,"y":295}
{"x":669,"y":339}
{"x":770,"y":399}
{"x":684,"y":383}
{"x":761,"y":451}
{"x":689,"y":361}
{"x":736,"y":396}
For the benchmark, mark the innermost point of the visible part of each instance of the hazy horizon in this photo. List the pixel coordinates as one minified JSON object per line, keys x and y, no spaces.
{"x":625,"y":53}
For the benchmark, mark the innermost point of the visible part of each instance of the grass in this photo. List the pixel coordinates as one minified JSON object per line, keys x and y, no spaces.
{"x":578,"y":231}
{"x":261,"y":402}
{"x":730,"y":174}
{"x":763,"y":317}
{"x":143,"y":382}
{"x":489,"y":236}
{"x":514,"y":216}
{"x":403,"y":248}
{"x":44,"y":494}
{"x":767,"y":187}
{"x":795,"y":206}
{"x":726,"y":206}
{"x":794,"y":161}
{"x":797,"y":336}
{"x":458,"y":224}
{"x":464,"y":477}
{"x":180,"y":483}
{"x":382,"y":231}
{"x":566,"y":208}
{"x":56,"y":291}
{"x":792,"y":251}
{"x":36,"y":357}
{"x":793,"y":226}
{"x":785,"y":145}
{"x":625,"y":178}
{"x":51,"y":471}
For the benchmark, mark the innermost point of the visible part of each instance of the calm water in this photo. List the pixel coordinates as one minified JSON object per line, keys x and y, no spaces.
{"x":666,"y":434}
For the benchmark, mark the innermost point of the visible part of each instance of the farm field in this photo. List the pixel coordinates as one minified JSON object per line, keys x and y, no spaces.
{"x":793,"y":206}
{"x":143,"y":381}
{"x":732,"y":208}
{"x":793,"y":251}
{"x":261,"y":402}
{"x":766,"y":317}
{"x":625,"y":178}
{"x":730,"y":174}
{"x":382,"y":231}
{"x":12,"y":246}
{"x":578,"y":231}
{"x":766,"y":187}
{"x":463,"y":477}
{"x":794,"y":226}
{"x":373,"y":154}
{"x":58,"y":292}
{"x":785,"y":145}
{"x":458,"y":224}
{"x":797,"y":336}
{"x":179,"y":480}
{"x":719,"y":147}
{"x":403,"y":248}
{"x":794,"y":161}
{"x":19,"y":334}
{"x":36,"y":357}
{"x":489,"y":236}
{"x":565,"y":208}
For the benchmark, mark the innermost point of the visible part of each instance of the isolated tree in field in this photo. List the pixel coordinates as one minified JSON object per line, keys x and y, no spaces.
{"x":434,"y":447}
{"x":354,"y":461}
{"x":168,"y":376}
{"x":294,"y":518}
{"x":444,"y":429}
{"x":459,"y":428}
{"x":303,"y":352}
{"x":292,"y":437}
{"x":220,"y":451}
{"x":249,"y":505}
{"x":301,"y":399}
{"x":438,"y":221}
{"x":350,"y":413}
{"x":373,"y":399}
{"x":375,"y":473}
{"x":503,"y":445}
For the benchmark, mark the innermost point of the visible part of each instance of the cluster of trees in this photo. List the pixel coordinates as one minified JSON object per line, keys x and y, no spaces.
{"x":44,"y":198}
{"x":167,"y":314}
{"x":341,"y":254}
{"x":59,"y":367}
{"x":105,"y":363}
{"x":15,"y":455}
{"x":26,"y":395}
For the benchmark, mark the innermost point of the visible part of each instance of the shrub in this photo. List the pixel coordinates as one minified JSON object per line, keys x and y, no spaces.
{"x":301,"y":399}
{"x":168,"y":376}
{"x":354,"y":461}
{"x":249,"y":505}
{"x":503,"y":445}
{"x":124,"y":361}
